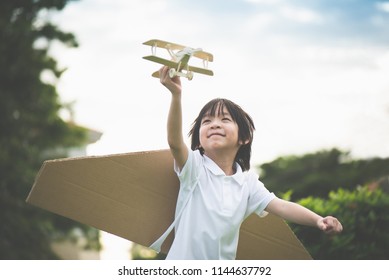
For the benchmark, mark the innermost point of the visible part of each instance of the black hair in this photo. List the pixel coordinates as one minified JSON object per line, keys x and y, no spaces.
{"x":243,"y":120}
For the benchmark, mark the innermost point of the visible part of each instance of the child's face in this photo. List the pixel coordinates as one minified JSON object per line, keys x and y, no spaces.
{"x":219,"y":132}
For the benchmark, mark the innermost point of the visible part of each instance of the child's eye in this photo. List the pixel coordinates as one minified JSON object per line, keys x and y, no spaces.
{"x":205,"y":121}
{"x":226,"y":119}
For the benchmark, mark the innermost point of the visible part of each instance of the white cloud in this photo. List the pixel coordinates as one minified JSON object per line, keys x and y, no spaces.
{"x":264,"y":1}
{"x":302,"y":15}
{"x":259,"y":22}
{"x":383,"y":6}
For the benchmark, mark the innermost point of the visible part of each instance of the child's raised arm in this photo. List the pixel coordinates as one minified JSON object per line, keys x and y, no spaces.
{"x":174,"y":123}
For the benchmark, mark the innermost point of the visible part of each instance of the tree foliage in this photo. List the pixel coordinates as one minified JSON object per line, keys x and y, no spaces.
{"x":30,"y":126}
{"x":317,"y":174}
{"x":363,"y":213}
{"x":139,"y":252}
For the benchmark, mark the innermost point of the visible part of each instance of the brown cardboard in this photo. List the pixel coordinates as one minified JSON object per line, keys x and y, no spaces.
{"x":134,"y":195}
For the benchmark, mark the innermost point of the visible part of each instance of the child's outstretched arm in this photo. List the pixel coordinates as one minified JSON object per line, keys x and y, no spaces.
{"x":298,"y":214}
{"x":174,"y":123}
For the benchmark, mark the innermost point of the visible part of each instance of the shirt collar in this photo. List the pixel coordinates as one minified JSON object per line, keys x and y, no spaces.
{"x":216,"y":170}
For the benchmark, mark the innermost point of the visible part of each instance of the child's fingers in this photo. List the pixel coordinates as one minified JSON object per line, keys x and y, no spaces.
{"x":163,"y":73}
{"x":172,"y":84}
{"x":332,"y":225}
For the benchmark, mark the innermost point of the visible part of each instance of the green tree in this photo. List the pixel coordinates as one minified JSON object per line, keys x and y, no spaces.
{"x":139,"y":252}
{"x":317,"y":174}
{"x":30,"y":127}
{"x":365,"y":218}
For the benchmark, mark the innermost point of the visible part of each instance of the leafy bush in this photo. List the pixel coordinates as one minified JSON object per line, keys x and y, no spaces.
{"x":365,"y":218}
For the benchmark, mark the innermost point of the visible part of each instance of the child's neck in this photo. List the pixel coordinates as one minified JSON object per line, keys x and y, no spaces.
{"x":225,"y":162}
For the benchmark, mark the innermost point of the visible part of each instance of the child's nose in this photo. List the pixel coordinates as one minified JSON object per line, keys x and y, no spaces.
{"x":215,"y":123}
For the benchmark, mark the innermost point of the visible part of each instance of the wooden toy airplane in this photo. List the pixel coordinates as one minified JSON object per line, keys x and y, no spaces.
{"x":180,"y":56}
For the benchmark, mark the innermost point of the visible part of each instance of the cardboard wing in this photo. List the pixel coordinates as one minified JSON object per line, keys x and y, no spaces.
{"x":134,"y":195}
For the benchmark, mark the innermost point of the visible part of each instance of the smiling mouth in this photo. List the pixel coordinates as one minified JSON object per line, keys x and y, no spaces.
{"x":215,"y":134}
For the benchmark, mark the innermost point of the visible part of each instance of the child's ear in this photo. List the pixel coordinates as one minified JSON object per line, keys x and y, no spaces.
{"x":244,"y":142}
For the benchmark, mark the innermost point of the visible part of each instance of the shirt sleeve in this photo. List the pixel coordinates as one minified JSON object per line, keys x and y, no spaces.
{"x":189,"y":172}
{"x":259,"y":197}
{"x":187,"y":177}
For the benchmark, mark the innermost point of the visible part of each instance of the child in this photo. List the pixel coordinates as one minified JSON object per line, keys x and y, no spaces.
{"x":216,"y":173}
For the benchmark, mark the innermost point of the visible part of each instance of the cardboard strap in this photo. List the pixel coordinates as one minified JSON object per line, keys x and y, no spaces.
{"x":158,"y":243}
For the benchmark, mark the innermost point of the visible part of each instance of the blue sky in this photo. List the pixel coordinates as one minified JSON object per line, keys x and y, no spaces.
{"x":357,"y":20}
{"x":313,"y":74}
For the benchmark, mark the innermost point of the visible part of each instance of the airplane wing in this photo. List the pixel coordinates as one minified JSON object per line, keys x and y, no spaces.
{"x":172,"y":46}
{"x":156,"y":74}
{"x":167,"y":62}
{"x":191,"y":68}
{"x":172,"y":64}
{"x":164,"y":45}
{"x":204,"y":55}
{"x":200,"y":70}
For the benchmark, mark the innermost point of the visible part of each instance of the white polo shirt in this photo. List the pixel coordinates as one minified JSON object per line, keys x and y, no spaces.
{"x":208,"y":227}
